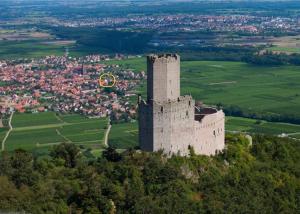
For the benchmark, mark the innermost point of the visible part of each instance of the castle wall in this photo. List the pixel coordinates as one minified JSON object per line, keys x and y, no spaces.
{"x":146,"y":126}
{"x":210,"y":134}
{"x":173,"y":126}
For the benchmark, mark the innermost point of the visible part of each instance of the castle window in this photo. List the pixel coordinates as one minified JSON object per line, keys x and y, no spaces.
{"x":214,"y":132}
{"x":189,"y":103}
{"x":161,"y":109}
{"x":187,"y":113}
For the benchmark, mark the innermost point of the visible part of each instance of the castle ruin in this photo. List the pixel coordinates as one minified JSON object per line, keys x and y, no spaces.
{"x":172,"y":123}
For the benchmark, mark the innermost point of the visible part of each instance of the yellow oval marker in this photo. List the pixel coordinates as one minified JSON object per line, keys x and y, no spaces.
{"x":107,"y":80}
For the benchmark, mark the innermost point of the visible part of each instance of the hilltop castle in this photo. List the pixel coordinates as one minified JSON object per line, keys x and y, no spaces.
{"x":172,"y":123}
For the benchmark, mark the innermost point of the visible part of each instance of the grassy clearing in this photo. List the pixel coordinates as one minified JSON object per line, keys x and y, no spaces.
{"x":43,"y":130}
{"x":123,"y":136}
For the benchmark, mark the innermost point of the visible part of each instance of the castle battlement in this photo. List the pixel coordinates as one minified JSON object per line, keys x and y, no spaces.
{"x":163,"y":58}
{"x":172,"y":123}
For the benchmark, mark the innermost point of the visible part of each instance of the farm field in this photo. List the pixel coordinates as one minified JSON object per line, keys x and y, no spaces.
{"x":29,"y":120}
{"x":253,"y":126}
{"x":289,"y":50}
{"x":2,"y":133}
{"x":53,"y":129}
{"x":137,"y":64}
{"x":30,"y":43}
{"x":272,"y":90}
{"x":43,"y":130}
{"x":286,"y":44}
{"x":30,"y":49}
{"x":124,"y":135}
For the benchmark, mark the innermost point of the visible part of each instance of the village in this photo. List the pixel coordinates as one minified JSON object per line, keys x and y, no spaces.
{"x":67,"y":85}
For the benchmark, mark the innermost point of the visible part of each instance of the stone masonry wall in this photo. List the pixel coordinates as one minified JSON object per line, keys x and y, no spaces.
{"x":210,"y":134}
{"x":173,"y":129}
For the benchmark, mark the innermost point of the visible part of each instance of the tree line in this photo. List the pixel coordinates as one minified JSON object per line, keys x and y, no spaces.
{"x":236,"y":111}
{"x":262,"y":178}
{"x":272,"y":59}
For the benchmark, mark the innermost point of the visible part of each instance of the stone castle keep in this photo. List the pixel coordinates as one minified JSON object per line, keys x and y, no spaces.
{"x":172,"y":123}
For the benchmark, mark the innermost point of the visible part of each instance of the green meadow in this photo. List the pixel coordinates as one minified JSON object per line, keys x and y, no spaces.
{"x":43,"y":130}
{"x":253,"y":88}
{"x":29,"y":49}
{"x":124,"y":135}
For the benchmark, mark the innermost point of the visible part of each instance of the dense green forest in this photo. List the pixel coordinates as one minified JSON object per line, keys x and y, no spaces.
{"x":258,"y":178}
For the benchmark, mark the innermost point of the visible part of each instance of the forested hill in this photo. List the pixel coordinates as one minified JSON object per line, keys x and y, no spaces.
{"x":262,"y":178}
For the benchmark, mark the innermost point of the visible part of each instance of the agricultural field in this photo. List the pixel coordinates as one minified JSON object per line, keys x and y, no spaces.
{"x":29,"y":43}
{"x":288,"y":50}
{"x":29,"y":120}
{"x":136,"y":64}
{"x":29,"y":49}
{"x":256,"y":89}
{"x":124,"y":135}
{"x":240,"y":124}
{"x":286,"y":44}
{"x":262,"y":89}
{"x":2,"y":133}
{"x":43,"y":130}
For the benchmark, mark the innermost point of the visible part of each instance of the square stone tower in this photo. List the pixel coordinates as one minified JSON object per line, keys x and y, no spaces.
{"x":163,"y":81}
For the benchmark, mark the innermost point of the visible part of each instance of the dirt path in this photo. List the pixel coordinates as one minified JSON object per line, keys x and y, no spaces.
{"x":107,"y":133}
{"x":10,"y":129}
{"x":64,"y":137}
{"x":58,"y":118}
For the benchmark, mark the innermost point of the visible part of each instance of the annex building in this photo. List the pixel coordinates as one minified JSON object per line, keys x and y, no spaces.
{"x":171,"y":122}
